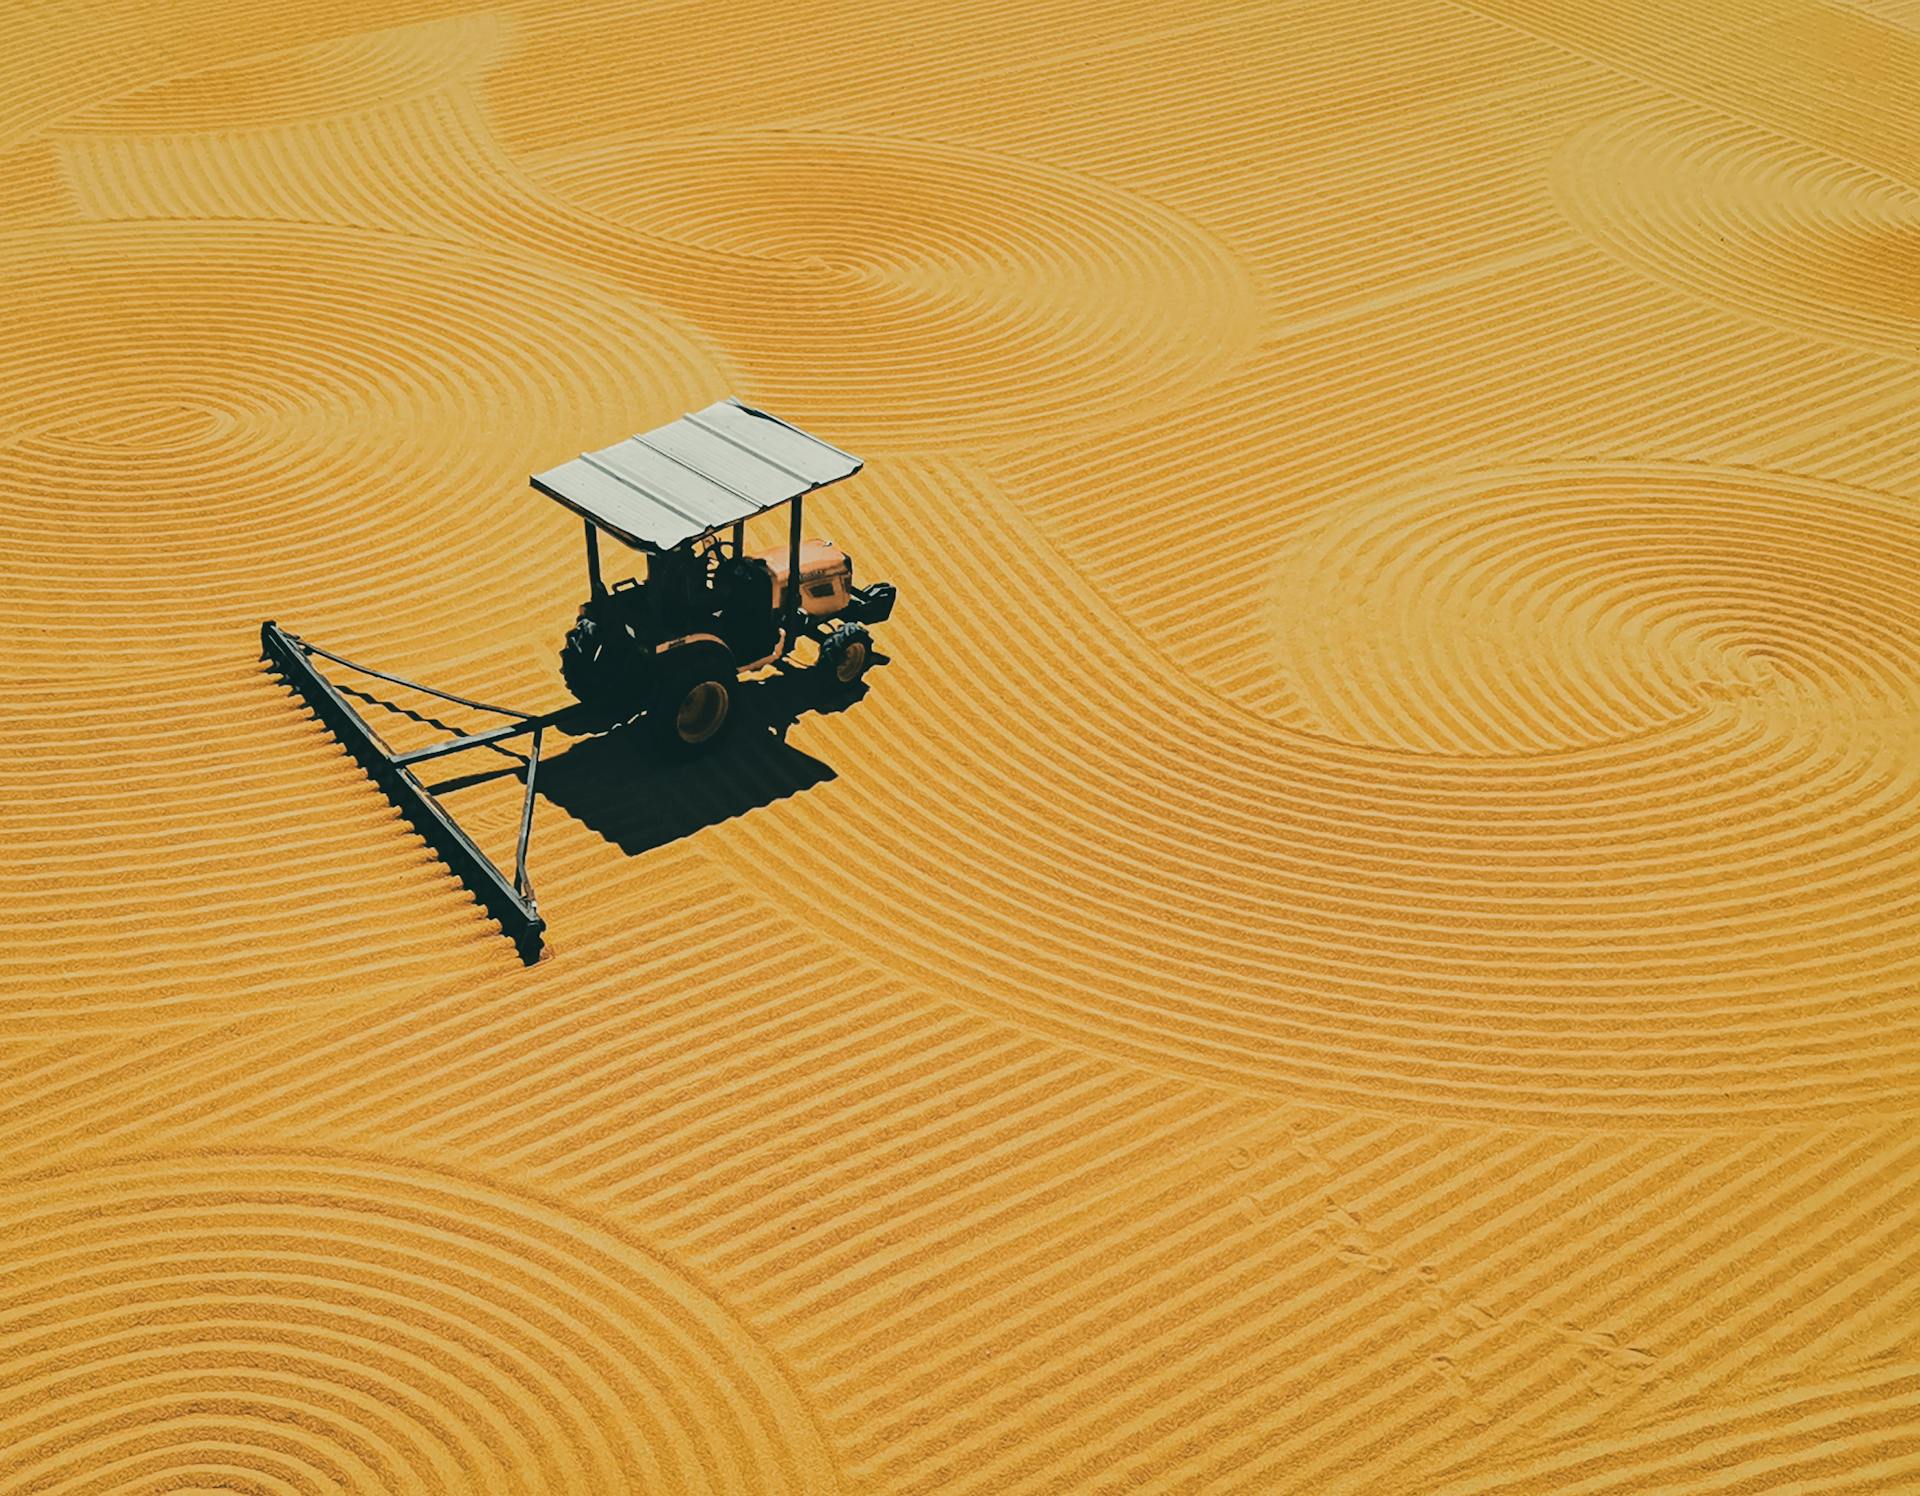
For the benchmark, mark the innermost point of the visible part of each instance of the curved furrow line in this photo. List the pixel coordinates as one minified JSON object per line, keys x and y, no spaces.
{"x":672,"y":1056}
{"x":299,"y":457}
{"x":1760,"y":66}
{"x":1207,"y":1296}
{"x":474,"y":1334}
{"x":1250,"y":471}
{"x":970,"y":281}
{"x":1043,"y":1296}
{"x":875,"y":1073}
{"x":1850,"y":1234}
{"x":885,"y":1312}
{"x":1889,"y":798}
{"x":1751,"y":221}
{"x":1284,"y":786}
{"x":1037,"y":1340}
{"x":320,"y":80}
{"x":1550,"y":811}
{"x":1593,"y":892}
{"x":842,"y":1041}
{"x":1154,"y":1052}
{"x":1024,"y":1279}
{"x":1667,"y":1265}
{"x":1671,"y":580}
{"x":1033,"y":1147}
{"x":1297,"y":1206}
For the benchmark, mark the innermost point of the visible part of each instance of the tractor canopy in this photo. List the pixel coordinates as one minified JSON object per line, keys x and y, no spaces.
{"x":682,"y":480}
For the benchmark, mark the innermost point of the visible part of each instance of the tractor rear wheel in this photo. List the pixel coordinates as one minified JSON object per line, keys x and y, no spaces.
{"x":691,"y":712}
{"x":845,"y":654}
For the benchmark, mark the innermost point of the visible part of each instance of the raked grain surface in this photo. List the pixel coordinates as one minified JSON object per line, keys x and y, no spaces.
{"x":1367,"y":938}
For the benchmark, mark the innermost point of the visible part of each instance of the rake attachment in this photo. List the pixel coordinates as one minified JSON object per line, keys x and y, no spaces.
{"x":511,"y":902}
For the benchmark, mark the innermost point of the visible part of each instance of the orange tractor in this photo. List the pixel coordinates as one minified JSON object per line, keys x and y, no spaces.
{"x":670,"y":645}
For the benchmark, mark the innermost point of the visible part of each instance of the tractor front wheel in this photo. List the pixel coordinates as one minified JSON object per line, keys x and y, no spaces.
{"x":845,"y":654}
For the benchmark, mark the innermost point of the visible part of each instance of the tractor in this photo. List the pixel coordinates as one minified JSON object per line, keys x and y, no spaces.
{"x":668,"y":648}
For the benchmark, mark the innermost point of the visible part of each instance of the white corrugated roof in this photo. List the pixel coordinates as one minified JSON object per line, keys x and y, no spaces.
{"x":705,"y":470}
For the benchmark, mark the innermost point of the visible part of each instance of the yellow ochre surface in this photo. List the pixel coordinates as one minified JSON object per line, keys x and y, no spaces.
{"x":1367,"y":938}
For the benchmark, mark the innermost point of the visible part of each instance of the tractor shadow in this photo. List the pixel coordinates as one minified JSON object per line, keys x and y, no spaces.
{"x":622,"y":787}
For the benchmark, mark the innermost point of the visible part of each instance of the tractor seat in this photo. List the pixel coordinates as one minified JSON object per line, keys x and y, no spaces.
{"x":743,"y":592}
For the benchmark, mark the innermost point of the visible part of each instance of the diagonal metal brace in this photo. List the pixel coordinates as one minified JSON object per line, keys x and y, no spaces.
{"x":511,"y":903}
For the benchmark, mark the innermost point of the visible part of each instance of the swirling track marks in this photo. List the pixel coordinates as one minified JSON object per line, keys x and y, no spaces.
{"x":746,"y":64}
{"x":1079,"y":1311}
{"x":1562,"y":607}
{"x":384,"y":129}
{"x":1751,"y":221}
{"x":1835,"y":78}
{"x":1604,"y":875}
{"x":982,"y":1129}
{"x":314,"y":81}
{"x":1356,"y":407}
{"x":891,"y":287}
{"x":894,"y":285}
{"x":1135,"y":1325}
{"x":339,"y":1323}
{"x":888,"y":286}
{"x":1335,"y":183}
{"x":309,"y":413}
{"x":1700,"y":1273}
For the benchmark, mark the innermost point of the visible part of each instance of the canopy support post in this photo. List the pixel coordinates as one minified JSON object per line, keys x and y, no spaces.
{"x":593,"y":560}
{"x":793,"y":557}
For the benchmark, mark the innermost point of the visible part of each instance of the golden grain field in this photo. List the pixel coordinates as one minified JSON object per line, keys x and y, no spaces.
{"x":1366,"y":938}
